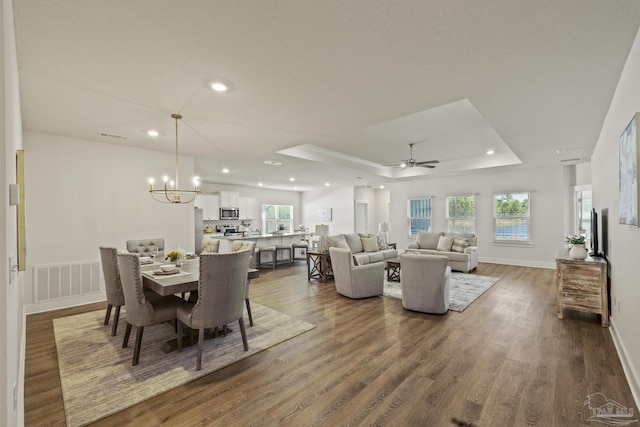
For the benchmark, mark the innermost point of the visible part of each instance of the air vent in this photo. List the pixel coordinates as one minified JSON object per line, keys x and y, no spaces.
{"x":570,"y":160}
{"x":272,"y":163}
{"x":113,"y":135}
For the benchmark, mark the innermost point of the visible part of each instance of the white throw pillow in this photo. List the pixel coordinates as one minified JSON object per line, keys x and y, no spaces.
{"x":428,"y":239}
{"x":370,"y":244}
{"x":445,"y":243}
{"x":342,"y":244}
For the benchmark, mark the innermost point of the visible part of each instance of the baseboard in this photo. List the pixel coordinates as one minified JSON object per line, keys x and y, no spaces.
{"x":519,"y":263}
{"x":64,"y":303}
{"x":629,"y":371}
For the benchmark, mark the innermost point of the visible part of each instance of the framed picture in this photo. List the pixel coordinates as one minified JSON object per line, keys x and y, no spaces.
{"x":628,"y":169}
{"x":323,"y":214}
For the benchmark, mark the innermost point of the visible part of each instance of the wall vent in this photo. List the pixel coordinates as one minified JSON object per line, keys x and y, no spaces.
{"x":113,"y":135}
{"x":53,"y":282}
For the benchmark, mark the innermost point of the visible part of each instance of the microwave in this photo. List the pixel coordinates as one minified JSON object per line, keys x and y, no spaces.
{"x":229,"y":213}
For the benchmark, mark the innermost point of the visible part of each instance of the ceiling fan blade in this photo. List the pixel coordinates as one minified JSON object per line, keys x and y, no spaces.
{"x":426,"y":166}
{"x":428,"y":162}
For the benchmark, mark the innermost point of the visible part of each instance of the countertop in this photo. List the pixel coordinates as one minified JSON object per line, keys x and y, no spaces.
{"x":265,"y":236}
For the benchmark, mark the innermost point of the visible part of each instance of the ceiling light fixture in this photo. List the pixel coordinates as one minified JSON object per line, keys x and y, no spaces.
{"x":292,"y":179}
{"x":153,"y":133}
{"x":225,"y":170}
{"x":260,"y":184}
{"x":490,"y":152}
{"x":171,"y":192}
{"x":219,"y":87}
{"x":327,"y":184}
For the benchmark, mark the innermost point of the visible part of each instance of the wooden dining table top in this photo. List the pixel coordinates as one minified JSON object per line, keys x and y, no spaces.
{"x":174,"y":284}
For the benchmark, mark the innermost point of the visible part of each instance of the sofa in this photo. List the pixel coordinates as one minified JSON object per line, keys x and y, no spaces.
{"x":365,"y":248}
{"x":460,"y":248}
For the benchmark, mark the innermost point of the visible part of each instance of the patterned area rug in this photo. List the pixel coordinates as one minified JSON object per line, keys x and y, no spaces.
{"x":463,"y":289}
{"x":96,"y":373}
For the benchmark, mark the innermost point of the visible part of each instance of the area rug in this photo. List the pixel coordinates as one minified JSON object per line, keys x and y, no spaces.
{"x":96,"y":373}
{"x":463,"y":289}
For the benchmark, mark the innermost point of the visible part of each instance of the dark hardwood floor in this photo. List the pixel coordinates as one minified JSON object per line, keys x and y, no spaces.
{"x":505,"y":361}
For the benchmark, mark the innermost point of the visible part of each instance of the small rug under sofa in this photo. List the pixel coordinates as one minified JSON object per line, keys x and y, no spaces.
{"x":463,"y":289}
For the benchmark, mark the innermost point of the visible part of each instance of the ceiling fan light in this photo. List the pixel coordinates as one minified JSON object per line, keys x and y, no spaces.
{"x":403,"y":165}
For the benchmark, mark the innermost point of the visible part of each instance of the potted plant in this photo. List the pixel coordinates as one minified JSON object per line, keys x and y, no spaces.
{"x":577,"y":251}
{"x":175,"y":255}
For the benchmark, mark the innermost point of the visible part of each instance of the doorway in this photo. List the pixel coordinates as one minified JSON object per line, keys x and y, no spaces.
{"x":362,"y":217}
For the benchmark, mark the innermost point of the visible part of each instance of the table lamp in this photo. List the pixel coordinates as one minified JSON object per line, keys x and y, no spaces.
{"x":384,"y":227}
{"x":322,"y":230}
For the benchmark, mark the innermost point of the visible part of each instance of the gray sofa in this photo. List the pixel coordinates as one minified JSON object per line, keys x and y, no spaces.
{"x":460,"y":248}
{"x":366,"y":248}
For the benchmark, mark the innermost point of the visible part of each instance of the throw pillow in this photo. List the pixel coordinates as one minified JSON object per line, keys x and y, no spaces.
{"x":459,"y":244}
{"x":381,"y":243}
{"x":428,"y":239}
{"x":354,"y":242}
{"x":445,"y":243}
{"x":332,"y":241}
{"x":342,"y":244}
{"x":370,"y":244}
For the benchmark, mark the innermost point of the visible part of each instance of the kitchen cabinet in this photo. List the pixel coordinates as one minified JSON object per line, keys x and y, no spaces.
{"x":229,"y":199}
{"x":210,"y":205}
{"x":247,"y":207}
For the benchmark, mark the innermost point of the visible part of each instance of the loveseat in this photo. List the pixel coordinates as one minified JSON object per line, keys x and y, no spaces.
{"x":366,"y":248}
{"x":460,"y":248}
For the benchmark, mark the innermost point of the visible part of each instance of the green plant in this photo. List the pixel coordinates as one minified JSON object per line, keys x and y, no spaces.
{"x":174,"y":255}
{"x":575,"y":239}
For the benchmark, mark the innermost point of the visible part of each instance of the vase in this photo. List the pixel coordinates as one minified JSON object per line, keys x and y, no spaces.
{"x":578,"y":252}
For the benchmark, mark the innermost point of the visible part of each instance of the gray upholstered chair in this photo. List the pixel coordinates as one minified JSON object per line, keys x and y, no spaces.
{"x":113,"y":286}
{"x":221,"y":293}
{"x":425,"y":282}
{"x":210,"y":245}
{"x":144,"y":247}
{"x":142,"y":312}
{"x":356,"y":281}
{"x":241,"y":245}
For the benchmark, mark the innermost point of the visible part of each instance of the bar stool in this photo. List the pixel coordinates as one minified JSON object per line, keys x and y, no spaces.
{"x":280,"y":250}
{"x":303,"y":250}
{"x":267,"y":250}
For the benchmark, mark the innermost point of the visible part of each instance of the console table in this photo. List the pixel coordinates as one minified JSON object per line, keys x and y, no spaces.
{"x":319,"y":266}
{"x":582,"y":285}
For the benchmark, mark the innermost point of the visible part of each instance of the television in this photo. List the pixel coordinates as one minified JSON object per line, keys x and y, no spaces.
{"x":594,"y":233}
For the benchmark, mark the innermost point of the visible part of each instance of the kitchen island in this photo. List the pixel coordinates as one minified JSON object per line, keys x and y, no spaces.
{"x":262,"y":240}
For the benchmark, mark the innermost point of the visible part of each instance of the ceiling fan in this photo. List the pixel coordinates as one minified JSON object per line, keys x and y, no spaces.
{"x":411,"y":162}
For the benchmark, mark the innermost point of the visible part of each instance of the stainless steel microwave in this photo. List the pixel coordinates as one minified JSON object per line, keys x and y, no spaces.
{"x":229,"y":213}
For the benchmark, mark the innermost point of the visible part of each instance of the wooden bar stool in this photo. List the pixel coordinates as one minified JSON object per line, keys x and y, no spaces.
{"x":303,"y":247}
{"x":267,"y":250}
{"x":281,"y":251}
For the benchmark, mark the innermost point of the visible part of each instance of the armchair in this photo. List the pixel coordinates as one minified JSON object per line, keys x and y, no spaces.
{"x":425,"y":282}
{"x":356,"y":281}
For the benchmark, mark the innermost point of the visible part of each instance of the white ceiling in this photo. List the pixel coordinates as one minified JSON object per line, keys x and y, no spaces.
{"x":333,"y":89}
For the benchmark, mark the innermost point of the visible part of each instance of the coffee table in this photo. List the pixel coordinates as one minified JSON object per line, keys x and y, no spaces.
{"x":393,"y":270}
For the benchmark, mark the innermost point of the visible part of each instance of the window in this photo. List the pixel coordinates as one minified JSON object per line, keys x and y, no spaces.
{"x":277,"y":218}
{"x":419,"y":213}
{"x":512,"y":217}
{"x":461,"y":214}
{"x":583,"y":211}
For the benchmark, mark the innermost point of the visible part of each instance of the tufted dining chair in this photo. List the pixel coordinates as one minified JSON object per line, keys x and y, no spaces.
{"x":143,"y":247}
{"x":141,"y":311}
{"x":425,"y":282}
{"x":221,"y":292}
{"x":210,"y":245}
{"x":241,"y":245}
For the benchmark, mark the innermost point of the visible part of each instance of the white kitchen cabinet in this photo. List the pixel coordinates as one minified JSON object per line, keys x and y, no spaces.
{"x":210,"y":205}
{"x":229,"y":199}
{"x":247,"y":207}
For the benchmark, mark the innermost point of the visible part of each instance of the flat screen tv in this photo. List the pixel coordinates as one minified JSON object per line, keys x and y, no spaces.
{"x":594,"y":233}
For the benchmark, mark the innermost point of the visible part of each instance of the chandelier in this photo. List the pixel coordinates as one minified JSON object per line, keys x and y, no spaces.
{"x":171,"y":192}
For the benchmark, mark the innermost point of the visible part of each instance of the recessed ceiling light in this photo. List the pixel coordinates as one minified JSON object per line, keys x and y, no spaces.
{"x":272,"y":163}
{"x":327,"y":184}
{"x":292,"y":179}
{"x":260,"y":184}
{"x":295,"y":188}
{"x":381,"y":187}
{"x":225,"y":170}
{"x":153,"y":133}
{"x":219,"y":87}
{"x":490,"y":152}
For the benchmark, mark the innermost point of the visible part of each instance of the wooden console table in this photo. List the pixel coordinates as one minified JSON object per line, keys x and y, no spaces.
{"x":582,"y":285}
{"x":319,"y":266}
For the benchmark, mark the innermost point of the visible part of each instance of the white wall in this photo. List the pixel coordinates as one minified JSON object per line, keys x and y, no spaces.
{"x":81,"y":195}
{"x":367,"y":196}
{"x":546,"y":186}
{"x":340,"y":200}
{"x":12,"y":332}
{"x":624,"y":240}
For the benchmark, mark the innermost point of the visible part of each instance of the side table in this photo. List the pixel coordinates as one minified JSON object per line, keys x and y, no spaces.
{"x":319,"y":266}
{"x":393,"y":270}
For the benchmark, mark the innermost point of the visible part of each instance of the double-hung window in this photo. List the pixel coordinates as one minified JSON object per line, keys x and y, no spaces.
{"x":461,"y":214}
{"x":277,"y":218}
{"x":419,"y":215}
{"x":511,"y":217}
